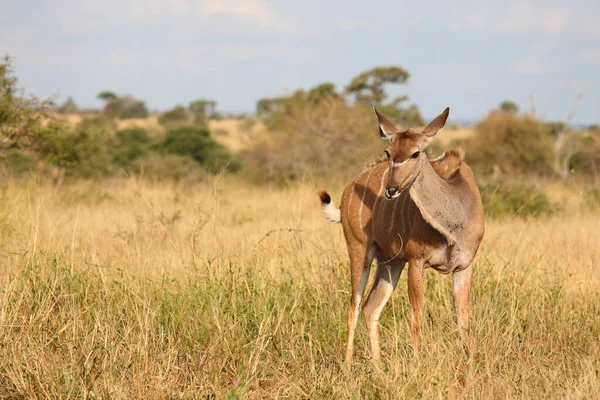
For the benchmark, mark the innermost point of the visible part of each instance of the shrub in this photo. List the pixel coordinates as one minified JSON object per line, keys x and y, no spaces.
{"x":196,"y":142}
{"x":83,"y":153}
{"x":508,"y":199}
{"x":583,"y":154}
{"x":330,"y":137}
{"x":129,"y":145}
{"x":16,"y":162}
{"x":512,"y":143}
{"x":126,"y":107}
{"x":177,"y":115}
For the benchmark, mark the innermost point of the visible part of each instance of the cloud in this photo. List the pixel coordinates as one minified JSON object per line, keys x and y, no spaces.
{"x":535,"y":62}
{"x":257,"y":11}
{"x":580,"y":85}
{"x":81,"y":14}
{"x":590,"y":56}
{"x":506,"y":18}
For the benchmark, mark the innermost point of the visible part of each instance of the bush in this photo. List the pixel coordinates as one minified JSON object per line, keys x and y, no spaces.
{"x":14,"y":161}
{"x":511,"y":143}
{"x":195,"y":142}
{"x":83,"y":153}
{"x":177,"y":115}
{"x":583,"y":152}
{"x":129,"y":145}
{"x":509,"y":199}
{"x":126,"y":107}
{"x":305,"y":137}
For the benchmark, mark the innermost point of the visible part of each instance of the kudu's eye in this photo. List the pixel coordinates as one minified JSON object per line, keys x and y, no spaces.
{"x":415,"y":154}
{"x":387,"y":154}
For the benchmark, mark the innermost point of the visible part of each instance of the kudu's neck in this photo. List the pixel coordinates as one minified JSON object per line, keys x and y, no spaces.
{"x":437,"y":202}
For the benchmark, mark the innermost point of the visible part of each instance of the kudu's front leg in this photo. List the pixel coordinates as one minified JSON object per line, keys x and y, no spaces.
{"x":385,"y":282}
{"x":461,"y":285}
{"x":360,"y":265}
{"x":416,"y":290}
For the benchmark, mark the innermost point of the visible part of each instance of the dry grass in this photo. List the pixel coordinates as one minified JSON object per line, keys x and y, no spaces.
{"x":129,"y":290}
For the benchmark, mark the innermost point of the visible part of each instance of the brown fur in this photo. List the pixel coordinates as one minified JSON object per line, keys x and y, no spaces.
{"x":324,"y":196}
{"x":433,"y":218}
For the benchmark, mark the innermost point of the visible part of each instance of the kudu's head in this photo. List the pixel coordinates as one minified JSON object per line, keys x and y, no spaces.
{"x":405,"y":151}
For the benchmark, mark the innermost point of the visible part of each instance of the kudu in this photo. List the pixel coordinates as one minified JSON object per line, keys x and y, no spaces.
{"x":407,"y":208}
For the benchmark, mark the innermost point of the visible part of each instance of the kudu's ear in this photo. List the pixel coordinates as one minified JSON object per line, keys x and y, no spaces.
{"x":434,"y":127}
{"x":386,"y":127}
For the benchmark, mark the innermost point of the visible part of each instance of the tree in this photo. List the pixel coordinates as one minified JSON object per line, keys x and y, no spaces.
{"x":321,"y":92}
{"x":176,"y":115}
{"x":21,"y":119}
{"x":123,"y":106}
{"x":202,"y":110}
{"x":106,"y":95}
{"x":368,"y":87}
{"x":509,"y":106}
{"x":68,"y":107}
{"x":196,"y":142}
{"x":268,"y":105}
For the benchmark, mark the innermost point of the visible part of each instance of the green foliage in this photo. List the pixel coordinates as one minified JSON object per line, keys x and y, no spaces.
{"x":503,"y":198}
{"x":100,"y":123}
{"x":227,"y":329}
{"x":177,"y":115}
{"x":511,"y":144}
{"x":16,"y":162}
{"x":202,"y":110}
{"x":83,"y":153}
{"x":509,"y":106}
{"x":20,"y":118}
{"x":322,"y":92}
{"x":129,"y":145}
{"x":369,"y":88}
{"x":196,"y":142}
{"x":106,"y":95}
{"x":269,"y":105}
{"x":123,"y":107}
{"x":582,"y":150}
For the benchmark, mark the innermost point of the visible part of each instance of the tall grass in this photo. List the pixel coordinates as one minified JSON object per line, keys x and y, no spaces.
{"x":129,"y":290}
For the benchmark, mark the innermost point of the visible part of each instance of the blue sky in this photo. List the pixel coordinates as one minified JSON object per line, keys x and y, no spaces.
{"x":468,"y":55}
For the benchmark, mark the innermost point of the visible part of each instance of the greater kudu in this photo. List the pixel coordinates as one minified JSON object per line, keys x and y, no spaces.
{"x":407,"y":208}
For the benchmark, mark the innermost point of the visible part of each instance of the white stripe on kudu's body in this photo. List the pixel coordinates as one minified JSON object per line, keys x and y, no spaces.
{"x":409,"y":209}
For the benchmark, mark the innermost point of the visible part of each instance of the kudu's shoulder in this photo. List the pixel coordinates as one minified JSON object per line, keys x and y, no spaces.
{"x":448,"y":164}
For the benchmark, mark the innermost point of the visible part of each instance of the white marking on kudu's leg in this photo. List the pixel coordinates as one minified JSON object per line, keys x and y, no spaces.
{"x":350,"y":197}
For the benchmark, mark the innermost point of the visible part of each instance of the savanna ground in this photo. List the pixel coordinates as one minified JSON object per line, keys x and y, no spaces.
{"x":127,"y":289}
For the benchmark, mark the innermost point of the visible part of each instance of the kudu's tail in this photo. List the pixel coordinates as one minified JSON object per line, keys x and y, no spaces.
{"x":331,"y":212}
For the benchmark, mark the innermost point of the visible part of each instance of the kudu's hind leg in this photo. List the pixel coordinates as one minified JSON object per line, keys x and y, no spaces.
{"x":360,"y":265}
{"x":416,"y":290}
{"x":386,"y":279}
{"x":461,"y":287}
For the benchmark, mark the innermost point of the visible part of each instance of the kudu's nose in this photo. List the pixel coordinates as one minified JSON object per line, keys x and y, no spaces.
{"x":391,"y":191}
